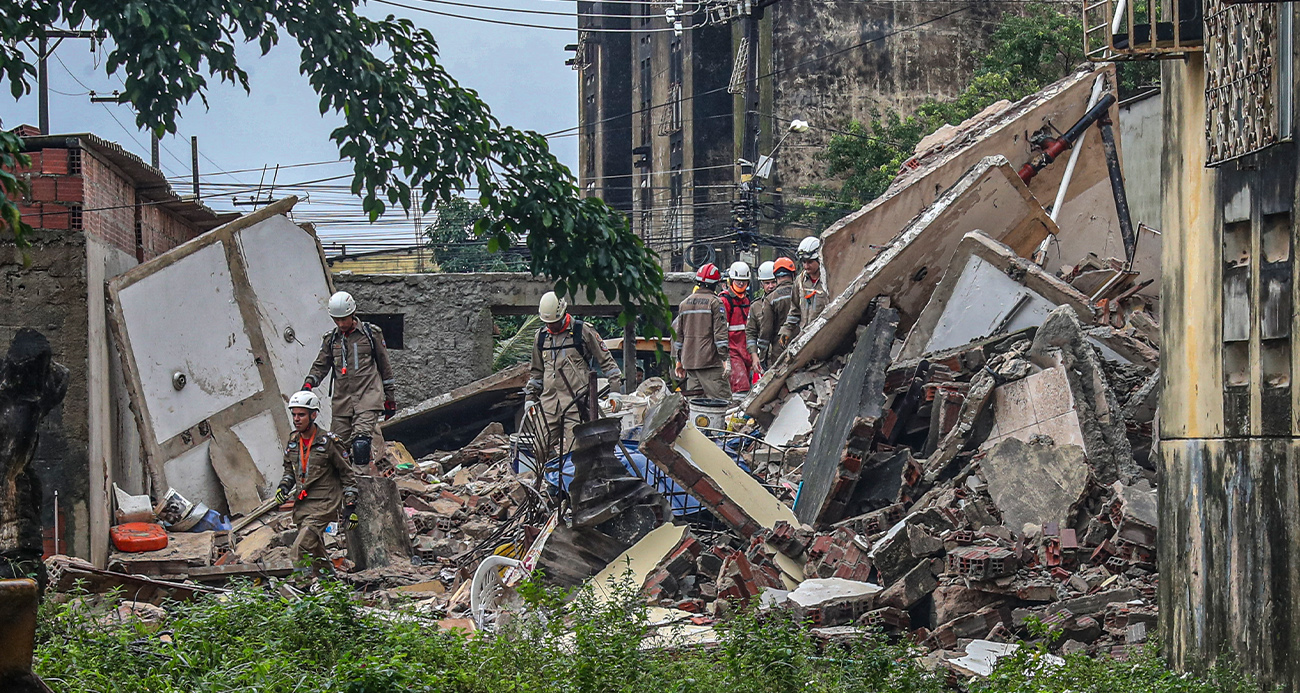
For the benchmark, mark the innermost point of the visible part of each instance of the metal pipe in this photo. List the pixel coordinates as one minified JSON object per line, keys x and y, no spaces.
{"x":1117,"y":189}
{"x":1055,"y":147}
{"x":1074,"y":155}
{"x":43,"y":85}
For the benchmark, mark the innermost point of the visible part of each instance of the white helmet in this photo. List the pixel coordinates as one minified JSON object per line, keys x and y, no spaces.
{"x":342,"y":305}
{"x":739,"y":272}
{"x":305,"y":399}
{"x":809,"y":248}
{"x":551,"y":308}
{"x":766,"y":271}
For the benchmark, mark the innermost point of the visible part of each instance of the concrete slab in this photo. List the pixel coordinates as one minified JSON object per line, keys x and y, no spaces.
{"x":792,"y":421}
{"x":698,"y":465}
{"x":990,"y":289}
{"x":451,"y":420}
{"x":1035,"y":483}
{"x":855,"y":241}
{"x":639,"y":561}
{"x":214,"y":336}
{"x":860,"y":394}
{"x":989,"y":197}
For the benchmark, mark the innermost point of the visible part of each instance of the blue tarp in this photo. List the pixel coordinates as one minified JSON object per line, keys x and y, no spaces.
{"x":637,"y":464}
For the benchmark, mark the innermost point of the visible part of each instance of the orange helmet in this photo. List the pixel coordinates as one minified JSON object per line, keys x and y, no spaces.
{"x":783,"y":267}
{"x":708,"y":274}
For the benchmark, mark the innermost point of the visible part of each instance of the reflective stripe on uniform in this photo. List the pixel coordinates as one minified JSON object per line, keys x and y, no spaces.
{"x":774,"y":299}
{"x":689,"y":312}
{"x":735,"y":328}
{"x":720,"y":344}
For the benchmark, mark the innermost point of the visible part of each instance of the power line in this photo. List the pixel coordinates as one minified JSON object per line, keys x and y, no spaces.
{"x":526,"y":26}
{"x":544,"y":12}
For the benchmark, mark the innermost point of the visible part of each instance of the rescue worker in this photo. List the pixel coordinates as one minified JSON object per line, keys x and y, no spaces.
{"x":355,"y":356}
{"x":768,"y":315}
{"x":316,"y":465}
{"x":809,"y":293}
{"x":702,"y":352}
{"x":566,"y":352}
{"x":736,"y":304}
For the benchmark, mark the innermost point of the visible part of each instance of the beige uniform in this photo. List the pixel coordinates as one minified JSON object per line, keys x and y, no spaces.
{"x":329,"y":485}
{"x":809,"y":299}
{"x":559,"y":375}
{"x":362,"y":381}
{"x":765,"y":319}
{"x":702,"y":345}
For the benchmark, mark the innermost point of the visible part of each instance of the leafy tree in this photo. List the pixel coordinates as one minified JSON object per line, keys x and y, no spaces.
{"x":455,"y":246}
{"x":406,"y":122}
{"x":1030,"y":49}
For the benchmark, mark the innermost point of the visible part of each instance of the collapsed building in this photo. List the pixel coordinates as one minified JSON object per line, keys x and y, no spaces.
{"x":959,"y":445}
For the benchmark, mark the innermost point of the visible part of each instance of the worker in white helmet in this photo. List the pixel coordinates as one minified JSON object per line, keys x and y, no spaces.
{"x":810,"y":296}
{"x":355,"y":356}
{"x":768,"y":315}
{"x":319,"y":477}
{"x":735,"y":304}
{"x":566,"y":352}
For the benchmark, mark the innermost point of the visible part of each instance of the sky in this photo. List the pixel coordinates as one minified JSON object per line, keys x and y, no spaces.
{"x":519,"y":72}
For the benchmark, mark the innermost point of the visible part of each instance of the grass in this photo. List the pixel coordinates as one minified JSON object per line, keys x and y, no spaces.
{"x":253,"y":640}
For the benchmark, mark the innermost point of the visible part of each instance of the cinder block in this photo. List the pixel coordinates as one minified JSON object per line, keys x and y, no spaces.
{"x":44,"y":189}
{"x":71,"y":189}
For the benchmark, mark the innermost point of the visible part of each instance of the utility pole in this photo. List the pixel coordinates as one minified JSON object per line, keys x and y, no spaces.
{"x":43,"y":52}
{"x":194,"y":164}
{"x":153,"y":150}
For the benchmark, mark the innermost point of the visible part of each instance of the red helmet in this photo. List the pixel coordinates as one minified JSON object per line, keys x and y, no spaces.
{"x":783,"y":265}
{"x":708,"y":274}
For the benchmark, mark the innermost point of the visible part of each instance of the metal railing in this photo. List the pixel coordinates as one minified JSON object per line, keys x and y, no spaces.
{"x":1124,"y":30}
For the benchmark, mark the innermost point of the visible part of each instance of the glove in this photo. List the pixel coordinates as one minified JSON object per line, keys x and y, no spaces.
{"x":353,"y":520}
{"x":679,"y":371}
{"x":390,"y":409}
{"x":306,"y":385}
{"x":726,"y":367}
{"x":753,"y":360}
{"x":529,"y":406}
{"x":281,"y":495}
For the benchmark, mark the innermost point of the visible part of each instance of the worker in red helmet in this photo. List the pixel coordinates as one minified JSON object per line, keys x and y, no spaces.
{"x":735,"y":303}
{"x":769,"y":314}
{"x":701,"y":347}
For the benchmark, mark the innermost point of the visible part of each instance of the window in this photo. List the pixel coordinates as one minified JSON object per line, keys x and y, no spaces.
{"x":390,"y":323}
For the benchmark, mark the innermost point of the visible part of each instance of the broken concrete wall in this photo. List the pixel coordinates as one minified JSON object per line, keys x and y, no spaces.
{"x":215,"y":336}
{"x":989,"y":197}
{"x":446,"y":320}
{"x":852,"y":242}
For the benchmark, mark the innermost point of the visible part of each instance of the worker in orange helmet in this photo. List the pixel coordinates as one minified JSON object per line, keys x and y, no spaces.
{"x":768,"y":314}
{"x":700,"y":350}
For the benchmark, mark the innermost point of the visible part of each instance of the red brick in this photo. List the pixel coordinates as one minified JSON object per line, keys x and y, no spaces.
{"x":707,"y":492}
{"x":55,"y":217}
{"x":731,"y":514}
{"x":54,"y":161}
{"x":71,"y":189}
{"x":44,"y":189}
{"x":686,"y":474}
{"x":35,"y":166}
{"x":31,"y":213}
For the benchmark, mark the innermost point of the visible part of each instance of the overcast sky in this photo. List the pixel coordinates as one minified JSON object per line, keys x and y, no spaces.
{"x":519,"y":72}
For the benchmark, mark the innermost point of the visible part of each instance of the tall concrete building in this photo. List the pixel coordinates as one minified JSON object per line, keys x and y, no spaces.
{"x":674,"y":96}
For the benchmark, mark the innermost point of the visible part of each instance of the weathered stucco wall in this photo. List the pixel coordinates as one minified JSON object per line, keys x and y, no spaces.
{"x":1229,"y":547}
{"x":447,"y":320}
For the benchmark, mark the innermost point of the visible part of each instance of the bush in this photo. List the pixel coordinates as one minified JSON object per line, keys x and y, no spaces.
{"x":253,"y":640}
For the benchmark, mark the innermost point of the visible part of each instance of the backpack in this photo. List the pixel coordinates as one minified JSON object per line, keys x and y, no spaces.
{"x":578,"y":344}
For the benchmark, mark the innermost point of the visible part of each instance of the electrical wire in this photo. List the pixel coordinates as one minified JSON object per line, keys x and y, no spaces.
{"x":503,"y":22}
{"x":544,"y":12}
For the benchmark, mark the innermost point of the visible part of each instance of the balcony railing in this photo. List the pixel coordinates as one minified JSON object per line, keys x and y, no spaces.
{"x":1120,"y":30}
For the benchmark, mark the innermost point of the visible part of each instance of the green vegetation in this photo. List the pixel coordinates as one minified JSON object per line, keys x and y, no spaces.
{"x":455,"y":246}
{"x":407,"y":124}
{"x":1031,"y":48}
{"x":255,"y":641}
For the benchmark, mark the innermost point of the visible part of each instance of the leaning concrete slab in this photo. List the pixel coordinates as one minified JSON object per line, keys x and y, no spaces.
{"x":673,"y":443}
{"x":214,"y":336}
{"x":452,"y":419}
{"x":989,"y":289}
{"x":640,"y":560}
{"x":829,"y":470}
{"x":990,"y":197}
{"x":854,"y":241}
